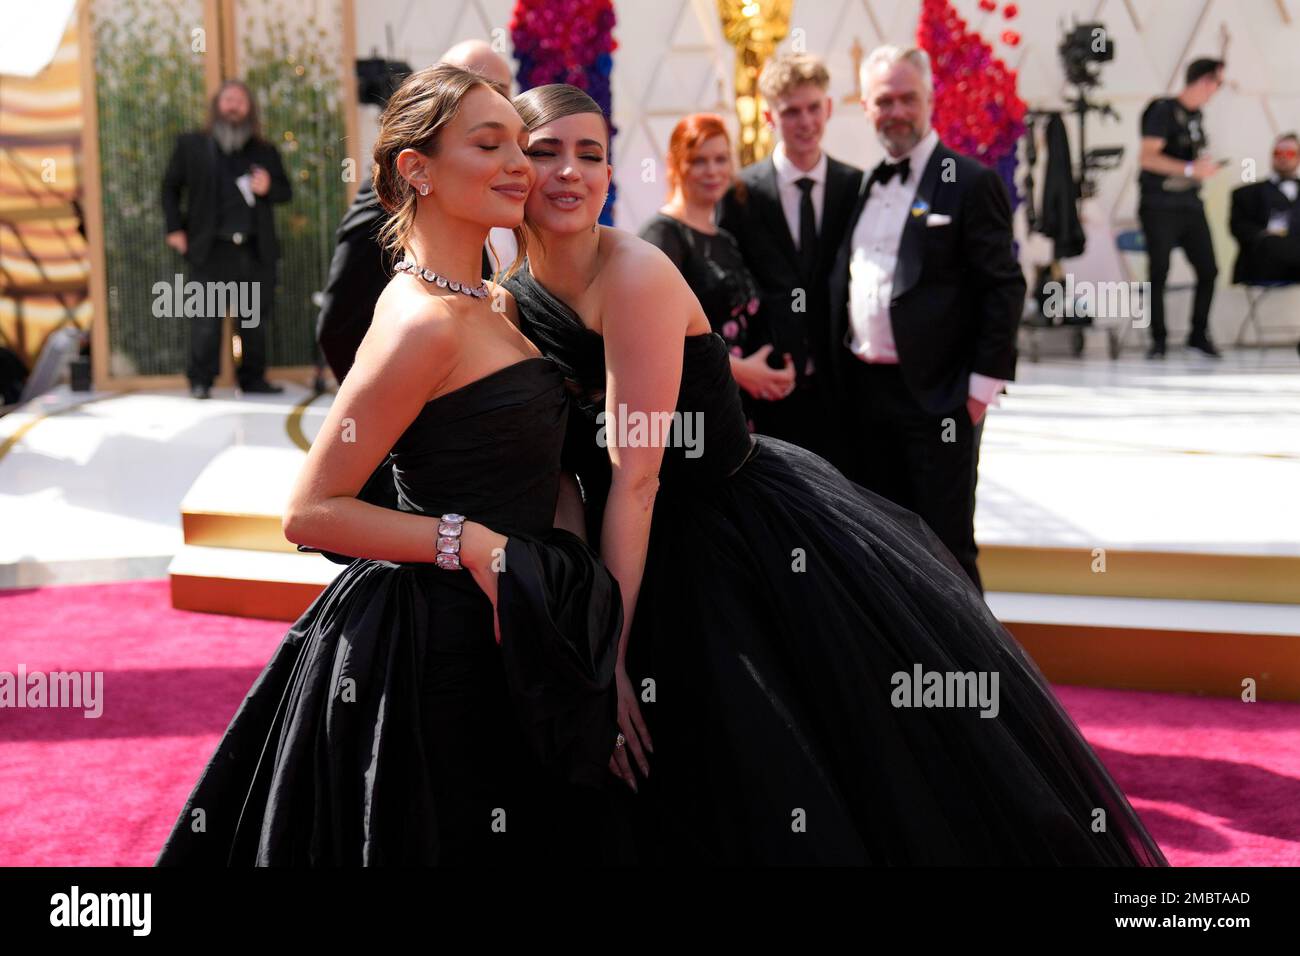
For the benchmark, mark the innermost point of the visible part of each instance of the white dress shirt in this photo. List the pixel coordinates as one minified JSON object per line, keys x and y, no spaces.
{"x":787,"y":179}
{"x":1289,"y":187}
{"x":875,"y":244}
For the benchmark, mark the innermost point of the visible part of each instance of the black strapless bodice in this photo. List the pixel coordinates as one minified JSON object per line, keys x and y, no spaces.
{"x":490,"y":450}
{"x":443,"y":726}
{"x":711,"y":446}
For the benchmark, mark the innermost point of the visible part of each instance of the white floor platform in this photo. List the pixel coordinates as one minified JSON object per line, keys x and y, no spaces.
{"x":1187,"y":454}
{"x":91,"y":489}
{"x":1183,"y":455}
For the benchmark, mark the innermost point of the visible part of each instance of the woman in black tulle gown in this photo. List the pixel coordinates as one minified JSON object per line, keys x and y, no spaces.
{"x":777,"y":680}
{"x":394,"y":724}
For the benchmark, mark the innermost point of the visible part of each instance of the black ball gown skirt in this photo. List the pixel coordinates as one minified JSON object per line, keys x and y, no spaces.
{"x":822,"y":682}
{"x":829,"y":688}
{"x":389,"y":727}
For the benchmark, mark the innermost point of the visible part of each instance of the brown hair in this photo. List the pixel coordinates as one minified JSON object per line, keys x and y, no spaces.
{"x":414,"y":119}
{"x":545,"y":104}
{"x":254,"y":119}
{"x":784,"y":73}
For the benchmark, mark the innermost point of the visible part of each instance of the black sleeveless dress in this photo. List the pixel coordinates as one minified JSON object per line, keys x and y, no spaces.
{"x":389,"y":727}
{"x":809,"y":657}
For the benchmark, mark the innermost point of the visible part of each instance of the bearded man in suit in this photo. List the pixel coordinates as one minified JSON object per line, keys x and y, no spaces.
{"x":926,"y":300}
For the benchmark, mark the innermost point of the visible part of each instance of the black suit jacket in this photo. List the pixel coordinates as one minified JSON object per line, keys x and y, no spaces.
{"x":192,"y":171}
{"x":958,"y":290}
{"x":754,"y":216}
{"x":357,"y":276}
{"x":1252,"y":207}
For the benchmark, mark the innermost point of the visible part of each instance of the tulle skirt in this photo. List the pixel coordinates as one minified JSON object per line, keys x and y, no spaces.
{"x":823,"y":685}
{"x":389,"y":727}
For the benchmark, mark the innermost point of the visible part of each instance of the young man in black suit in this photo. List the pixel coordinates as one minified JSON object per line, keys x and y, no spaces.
{"x":1266,"y":220}
{"x":229,"y":177}
{"x":788,"y":213}
{"x":926,"y":299}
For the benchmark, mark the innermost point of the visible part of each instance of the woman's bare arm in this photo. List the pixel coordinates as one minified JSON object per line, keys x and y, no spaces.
{"x":401,"y":363}
{"x":645,"y":324}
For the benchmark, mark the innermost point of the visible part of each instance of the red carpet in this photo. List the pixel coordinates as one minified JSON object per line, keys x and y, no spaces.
{"x":1217,"y":781}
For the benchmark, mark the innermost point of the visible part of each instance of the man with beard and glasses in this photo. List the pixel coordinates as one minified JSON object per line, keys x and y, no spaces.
{"x":230,"y":178}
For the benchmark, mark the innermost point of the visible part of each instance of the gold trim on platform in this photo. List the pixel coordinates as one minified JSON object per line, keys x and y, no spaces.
{"x":293,"y":424}
{"x":1192,"y":662}
{"x":273,"y":600}
{"x":249,"y":532}
{"x":1163,"y":575}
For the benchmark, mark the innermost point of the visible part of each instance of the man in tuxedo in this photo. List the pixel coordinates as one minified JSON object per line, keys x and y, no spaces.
{"x":1266,"y":220}
{"x":357,"y":273}
{"x":229,"y":178}
{"x":926,"y":299}
{"x":788,"y":213}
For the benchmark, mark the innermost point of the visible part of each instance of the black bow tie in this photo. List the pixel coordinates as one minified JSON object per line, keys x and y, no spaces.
{"x":886,"y":171}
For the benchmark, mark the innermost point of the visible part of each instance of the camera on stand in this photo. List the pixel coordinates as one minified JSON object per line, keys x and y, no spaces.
{"x":1083,"y":49}
{"x":1070,"y":176}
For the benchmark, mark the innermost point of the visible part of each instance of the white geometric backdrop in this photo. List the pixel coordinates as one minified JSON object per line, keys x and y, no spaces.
{"x":672,"y":60}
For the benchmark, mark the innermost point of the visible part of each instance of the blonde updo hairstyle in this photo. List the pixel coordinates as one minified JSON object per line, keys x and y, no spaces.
{"x":414,"y":119}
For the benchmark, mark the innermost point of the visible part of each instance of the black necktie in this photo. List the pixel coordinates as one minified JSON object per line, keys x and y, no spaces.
{"x":886,"y":171}
{"x":807,"y":226}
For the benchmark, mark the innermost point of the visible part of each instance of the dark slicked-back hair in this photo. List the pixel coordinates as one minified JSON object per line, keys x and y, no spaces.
{"x":1201,"y":68}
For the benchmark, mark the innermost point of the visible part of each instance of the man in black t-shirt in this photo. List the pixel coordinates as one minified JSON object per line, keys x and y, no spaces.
{"x":1173,"y":167}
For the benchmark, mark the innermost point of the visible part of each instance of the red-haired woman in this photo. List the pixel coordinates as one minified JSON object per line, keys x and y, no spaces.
{"x":700,"y":170}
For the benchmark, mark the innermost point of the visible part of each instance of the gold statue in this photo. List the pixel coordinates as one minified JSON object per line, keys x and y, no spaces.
{"x":856,"y":52}
{"x":753,"y":28}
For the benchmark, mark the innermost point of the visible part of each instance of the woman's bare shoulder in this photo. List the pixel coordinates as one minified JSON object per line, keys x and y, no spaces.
{"x":411,"y":327}
{"x":634,"y":263}
{"x":640,"y":283}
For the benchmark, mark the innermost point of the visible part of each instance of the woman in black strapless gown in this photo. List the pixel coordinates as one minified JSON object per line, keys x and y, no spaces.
{"x":389,"y":726}
{"x":789,"y":624}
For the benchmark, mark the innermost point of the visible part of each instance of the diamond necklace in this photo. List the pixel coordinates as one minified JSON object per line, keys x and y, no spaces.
{"x":428,"y":275}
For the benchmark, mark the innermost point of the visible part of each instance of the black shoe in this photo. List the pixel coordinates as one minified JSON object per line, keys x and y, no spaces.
{"x":200,"y":391}
{"x":1156,"y":351}
{"x":1205,"y":347}
{"x":261,"y":387}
